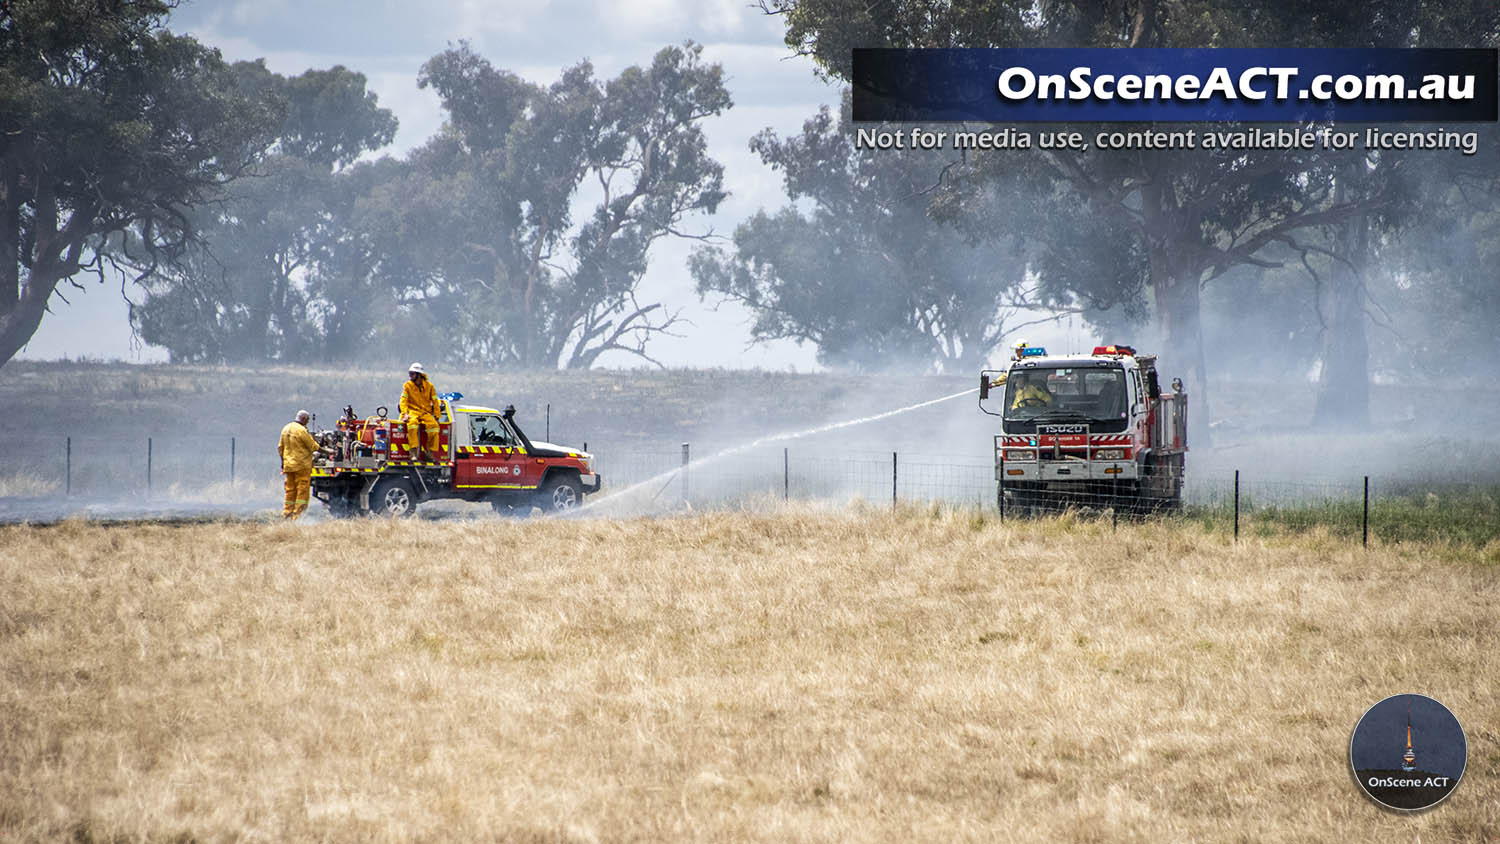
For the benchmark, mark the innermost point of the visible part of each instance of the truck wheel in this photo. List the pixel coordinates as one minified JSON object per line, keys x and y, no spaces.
{"x":393,"y":497}
{"x":560,"y":494}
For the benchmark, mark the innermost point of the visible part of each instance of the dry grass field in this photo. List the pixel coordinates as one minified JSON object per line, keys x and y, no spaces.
{"x":846,"y":674}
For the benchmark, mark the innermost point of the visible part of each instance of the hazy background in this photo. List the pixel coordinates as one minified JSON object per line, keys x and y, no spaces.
{"x":389,"y":41}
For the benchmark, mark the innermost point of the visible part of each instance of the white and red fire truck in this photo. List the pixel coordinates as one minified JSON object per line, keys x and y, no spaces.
{"x":1086,"y":430}
{"x":483,"y":455}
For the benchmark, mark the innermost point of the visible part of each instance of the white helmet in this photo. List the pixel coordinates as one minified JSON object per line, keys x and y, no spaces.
{"x":416,"y":367}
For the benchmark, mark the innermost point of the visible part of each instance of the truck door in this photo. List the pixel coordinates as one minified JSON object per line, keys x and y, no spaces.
{"x":1138,"y":408}
{"x":492,"y":457}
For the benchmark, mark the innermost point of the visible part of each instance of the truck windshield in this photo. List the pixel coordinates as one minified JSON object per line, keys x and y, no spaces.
{"x":1080,"y":393}
{"x":489,"y":430}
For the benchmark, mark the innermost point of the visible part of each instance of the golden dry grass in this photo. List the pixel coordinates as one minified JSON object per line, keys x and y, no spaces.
{"x":836,"y":675}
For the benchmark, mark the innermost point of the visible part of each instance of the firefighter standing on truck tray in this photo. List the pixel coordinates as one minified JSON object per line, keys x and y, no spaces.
{"x":419,"y":410}
{"x":296,"y":449}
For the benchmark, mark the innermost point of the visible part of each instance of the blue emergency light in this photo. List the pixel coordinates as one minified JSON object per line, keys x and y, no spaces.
{"x":454,"y":396}
{"x":1033,"y":352}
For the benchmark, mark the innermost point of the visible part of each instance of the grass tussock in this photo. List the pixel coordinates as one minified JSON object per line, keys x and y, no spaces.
{"x":927,"y":674}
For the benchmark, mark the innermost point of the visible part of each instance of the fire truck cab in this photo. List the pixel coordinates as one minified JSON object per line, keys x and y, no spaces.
{"x":1086,"y":430}
{"x":483,"y":456}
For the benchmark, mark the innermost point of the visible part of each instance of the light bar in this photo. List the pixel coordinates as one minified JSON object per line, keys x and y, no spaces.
{"x":1033,"y":352}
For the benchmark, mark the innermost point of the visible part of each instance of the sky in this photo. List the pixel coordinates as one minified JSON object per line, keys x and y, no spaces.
{"x":388,"y":41}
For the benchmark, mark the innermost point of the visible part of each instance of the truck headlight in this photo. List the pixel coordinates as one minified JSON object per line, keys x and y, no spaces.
{"x":1110,"y":454}
{"x":1019,"y":454}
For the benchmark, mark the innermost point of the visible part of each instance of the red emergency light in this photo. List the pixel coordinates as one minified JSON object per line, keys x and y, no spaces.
{"x":1114,"y":350}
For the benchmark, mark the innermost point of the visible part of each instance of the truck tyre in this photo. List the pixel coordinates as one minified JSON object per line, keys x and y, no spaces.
{"x":393,"y":497}
{"x":560,"y":494}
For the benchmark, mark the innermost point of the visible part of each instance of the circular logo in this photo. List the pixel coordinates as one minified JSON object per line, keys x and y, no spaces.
{"x":1408,"y":752}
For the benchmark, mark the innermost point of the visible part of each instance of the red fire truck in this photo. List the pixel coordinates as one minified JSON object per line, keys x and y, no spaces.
{"x":1086,"y":430}
{"x":483,"y":456}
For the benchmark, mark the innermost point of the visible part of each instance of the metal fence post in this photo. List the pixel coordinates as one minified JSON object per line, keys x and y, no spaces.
{"x":68,"y":471}
{"x":231,"y":461}
{"x":1365,"y":525}
{"x":893,"y":480}
{"x":148,"y":465}
{"x":1236,"y":505}
{"x":786,"y":474}
{"x":684,"y":473}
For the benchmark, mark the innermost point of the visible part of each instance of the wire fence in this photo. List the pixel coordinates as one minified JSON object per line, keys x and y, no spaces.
{"x":218,"y":469}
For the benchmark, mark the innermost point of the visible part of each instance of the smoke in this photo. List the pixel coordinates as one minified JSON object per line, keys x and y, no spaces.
{"x":661,"y":480}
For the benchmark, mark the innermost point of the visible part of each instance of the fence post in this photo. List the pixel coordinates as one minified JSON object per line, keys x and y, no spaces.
{"x":1236,"y":505}
{"x":231,"y":461}
{"x":684,"y":473}
{"x":148,"y":465}
{"x":68,"y":471}
{"x":893,"y":480}
{"x":1114,"y":504}
{"x":1365,"y":527}
{"x":786,"y":474}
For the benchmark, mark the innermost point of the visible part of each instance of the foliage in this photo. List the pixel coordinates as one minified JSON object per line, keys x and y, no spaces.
{"x":269,"y":278}
{"x":1195,"y":214}
{"x":868,"y":274}
{"x":476,"y":231}
{"x":111,"y":124}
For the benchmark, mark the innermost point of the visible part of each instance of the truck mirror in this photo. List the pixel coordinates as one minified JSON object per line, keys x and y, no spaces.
{"x":984,"y":386}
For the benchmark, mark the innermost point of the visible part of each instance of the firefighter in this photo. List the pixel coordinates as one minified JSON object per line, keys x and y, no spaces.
{"x":419,"y":410}
{"x":296,"y":450}
{"x":1029,"y":394}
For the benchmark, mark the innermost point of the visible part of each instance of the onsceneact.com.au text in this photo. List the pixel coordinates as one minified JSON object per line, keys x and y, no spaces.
{"x":1252,"y":83}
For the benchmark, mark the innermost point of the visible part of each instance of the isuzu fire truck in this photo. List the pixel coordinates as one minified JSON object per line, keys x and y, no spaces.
{"x":1086,"y":430}
{"x":483,"y":456}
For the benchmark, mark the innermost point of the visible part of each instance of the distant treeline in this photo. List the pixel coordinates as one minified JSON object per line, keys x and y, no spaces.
{"x":248,"y":207}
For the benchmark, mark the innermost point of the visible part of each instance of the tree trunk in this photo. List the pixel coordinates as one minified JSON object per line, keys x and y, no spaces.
{"x":10,"y":240}
{"x":1175,"y":285}
{"x":22,"y":305}
{"x":20,"y":319}
{"x":1344,"y":377}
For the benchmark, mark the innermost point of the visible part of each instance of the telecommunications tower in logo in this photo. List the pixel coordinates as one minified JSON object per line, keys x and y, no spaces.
{"x":1408,"y":752}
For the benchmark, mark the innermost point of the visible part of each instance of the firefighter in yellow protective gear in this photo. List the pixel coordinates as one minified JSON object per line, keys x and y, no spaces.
{"x":296,"y":449}
{"x":419,"y":410}
{"x":1029,"y":394}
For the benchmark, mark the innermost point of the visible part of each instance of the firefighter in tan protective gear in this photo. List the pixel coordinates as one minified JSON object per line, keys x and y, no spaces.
{"x":419,"y":410}
{"x":296,"y":449}
{"x":1028,"y":392}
